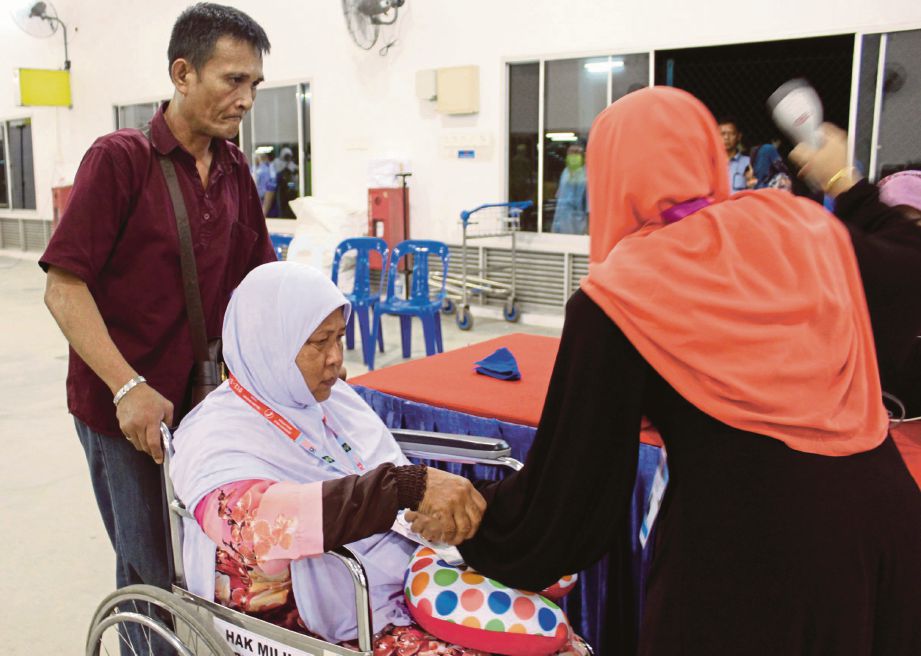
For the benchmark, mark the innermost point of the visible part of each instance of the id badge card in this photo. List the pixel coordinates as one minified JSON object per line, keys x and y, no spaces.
{"x":654,"y":500}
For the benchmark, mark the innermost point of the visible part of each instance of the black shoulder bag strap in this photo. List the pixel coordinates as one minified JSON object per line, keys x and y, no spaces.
{"x":207,"y":372}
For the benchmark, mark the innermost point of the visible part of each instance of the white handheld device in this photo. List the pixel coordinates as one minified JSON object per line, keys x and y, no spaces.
{"x":797,"y":110}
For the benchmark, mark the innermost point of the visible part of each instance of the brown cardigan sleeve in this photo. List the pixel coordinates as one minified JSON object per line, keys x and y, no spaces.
{"x":355,"y":507}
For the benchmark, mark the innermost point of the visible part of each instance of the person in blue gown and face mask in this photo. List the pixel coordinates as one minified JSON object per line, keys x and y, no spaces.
{"x":571,"y":214}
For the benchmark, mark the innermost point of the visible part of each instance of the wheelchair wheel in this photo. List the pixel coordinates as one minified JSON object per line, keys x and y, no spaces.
{"x":144,"y":620}
{"x":464,"y":319}
{"x":511,"y":312}
{"x":448,"y":306}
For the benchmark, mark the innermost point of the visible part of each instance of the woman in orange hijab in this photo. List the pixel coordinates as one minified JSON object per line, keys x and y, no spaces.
{"x":738,"y":326}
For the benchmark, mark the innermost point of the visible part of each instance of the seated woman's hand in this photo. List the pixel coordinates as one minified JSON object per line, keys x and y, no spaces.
{"x":450,"y":511}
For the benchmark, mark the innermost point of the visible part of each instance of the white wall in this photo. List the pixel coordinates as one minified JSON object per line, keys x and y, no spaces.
{"x":364,"y":105}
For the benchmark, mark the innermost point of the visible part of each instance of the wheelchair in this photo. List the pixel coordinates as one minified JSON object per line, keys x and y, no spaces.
{"x":182,"y":623}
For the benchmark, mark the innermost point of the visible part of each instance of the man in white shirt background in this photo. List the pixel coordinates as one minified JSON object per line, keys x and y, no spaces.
{"x":738,"y":162}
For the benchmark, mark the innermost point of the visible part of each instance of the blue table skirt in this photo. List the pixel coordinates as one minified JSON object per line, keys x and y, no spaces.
{"x":585,"y":606}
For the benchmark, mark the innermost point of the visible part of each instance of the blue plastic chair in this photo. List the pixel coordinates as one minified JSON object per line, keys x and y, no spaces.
{"x":420,"y":302}
{"x":361,"y":297}
{"x":280,"y":243}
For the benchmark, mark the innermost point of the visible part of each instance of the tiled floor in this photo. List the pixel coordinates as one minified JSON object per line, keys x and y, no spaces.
{"x":57,"y":562}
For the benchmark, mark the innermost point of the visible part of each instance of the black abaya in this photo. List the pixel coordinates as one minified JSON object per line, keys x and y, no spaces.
{"x":760,"y":549}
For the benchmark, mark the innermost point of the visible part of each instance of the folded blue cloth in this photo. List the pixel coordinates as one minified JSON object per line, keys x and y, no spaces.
{"x":501,"y":365}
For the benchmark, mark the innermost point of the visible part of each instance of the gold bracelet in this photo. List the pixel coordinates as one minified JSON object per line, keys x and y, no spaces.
{"x":837,"y":176}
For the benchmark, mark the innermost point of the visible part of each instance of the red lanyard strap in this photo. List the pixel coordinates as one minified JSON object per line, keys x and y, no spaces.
{"x":290,"y":430}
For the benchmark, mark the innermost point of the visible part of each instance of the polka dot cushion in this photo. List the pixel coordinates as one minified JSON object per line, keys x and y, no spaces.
{"x":458,"y":605}
{"x":561,"y":588}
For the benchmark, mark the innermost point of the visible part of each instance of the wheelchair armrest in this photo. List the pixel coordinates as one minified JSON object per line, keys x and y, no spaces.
{"x":449,"y":447}
{"x":362,"y":595}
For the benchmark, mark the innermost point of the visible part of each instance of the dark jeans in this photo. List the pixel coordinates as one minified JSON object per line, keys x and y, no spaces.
{"x":129,"y":492}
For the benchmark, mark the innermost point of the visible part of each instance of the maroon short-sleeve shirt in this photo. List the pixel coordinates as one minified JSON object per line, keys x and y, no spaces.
{"x":118,"y":234}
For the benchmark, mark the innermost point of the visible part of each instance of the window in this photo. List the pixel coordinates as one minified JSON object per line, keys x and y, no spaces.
{"x":4,"y":186}
{"x":135,"y":116}
{"x":865,"y":110}
{"x":551,"y":107}
{"x":523,"y":142}
{"x":276,"y":139}
{"x":898,"y":96}
{"x":17,"y":170}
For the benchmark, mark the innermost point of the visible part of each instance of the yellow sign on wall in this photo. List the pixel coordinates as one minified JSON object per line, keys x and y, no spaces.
{"x":45,"y":87}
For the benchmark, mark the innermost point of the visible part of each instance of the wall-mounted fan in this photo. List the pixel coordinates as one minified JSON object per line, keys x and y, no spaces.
{"x":893,"y":77}
{"x":364,"y":19}
{"x":40,"y":19}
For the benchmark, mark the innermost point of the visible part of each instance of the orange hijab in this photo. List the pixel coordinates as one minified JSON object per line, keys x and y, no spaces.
{"x":751,"y":308}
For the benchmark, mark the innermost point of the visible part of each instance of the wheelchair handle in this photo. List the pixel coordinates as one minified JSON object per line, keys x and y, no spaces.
{"x":450,"y":447}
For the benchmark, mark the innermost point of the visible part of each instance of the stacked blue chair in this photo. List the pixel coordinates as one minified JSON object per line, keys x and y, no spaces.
{"x":420,"y":302}
{"x":363,"y":300}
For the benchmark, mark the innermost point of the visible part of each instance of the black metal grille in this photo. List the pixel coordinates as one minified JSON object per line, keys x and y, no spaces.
{"x":737,"y":79}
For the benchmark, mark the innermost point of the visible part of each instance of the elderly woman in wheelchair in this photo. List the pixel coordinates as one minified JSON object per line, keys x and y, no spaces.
{"x":285,"y":462}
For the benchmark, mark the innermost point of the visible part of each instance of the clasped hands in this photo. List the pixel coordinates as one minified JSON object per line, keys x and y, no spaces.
{"x":450,"y":511}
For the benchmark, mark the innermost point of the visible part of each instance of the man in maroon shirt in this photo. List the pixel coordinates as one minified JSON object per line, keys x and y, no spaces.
{"x":114,"y":282}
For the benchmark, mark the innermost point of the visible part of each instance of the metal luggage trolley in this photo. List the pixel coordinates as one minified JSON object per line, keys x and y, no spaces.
{"x":182,"y":623}
{"x":490,"y":220}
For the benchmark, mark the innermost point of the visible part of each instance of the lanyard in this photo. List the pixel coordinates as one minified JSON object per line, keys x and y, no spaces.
{"x":291,"y":431}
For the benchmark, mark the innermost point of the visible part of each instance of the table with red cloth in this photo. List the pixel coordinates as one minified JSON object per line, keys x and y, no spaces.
{"x":443,"y":393}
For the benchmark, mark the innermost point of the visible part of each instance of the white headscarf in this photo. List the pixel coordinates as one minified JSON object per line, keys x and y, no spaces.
{"x":271,"y":315}
{"x":281,"y":163}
